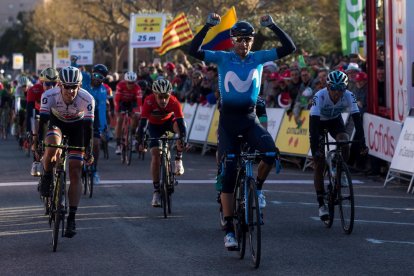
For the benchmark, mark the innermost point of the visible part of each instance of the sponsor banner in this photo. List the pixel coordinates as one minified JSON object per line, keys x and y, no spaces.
{"x":83,"y":49}
{"x":61,"y":57}
{"x":403,"y":159}
{"x":381,"y":136}
{"x":146,"y":30}
{"x":274,"y":119}
{"x":18,"y":61}
{"x":201,"y":124}
{"x":43,"y":61}
{"x":212,"y":134}
{"x":352,"y":26}
{"x":292,"y":139}
{"x":189,"y":111}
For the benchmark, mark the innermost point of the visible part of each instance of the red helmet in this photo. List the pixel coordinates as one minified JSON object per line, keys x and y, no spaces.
{"x":170,"y":66}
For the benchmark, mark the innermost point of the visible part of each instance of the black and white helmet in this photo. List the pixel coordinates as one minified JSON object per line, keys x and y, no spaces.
{"x":70,"y":75}
{"x":162,"y":86}
{"x":337,"y":78}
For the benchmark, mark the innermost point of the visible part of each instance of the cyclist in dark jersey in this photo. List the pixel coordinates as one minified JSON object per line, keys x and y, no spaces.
{"x":239,"y":83}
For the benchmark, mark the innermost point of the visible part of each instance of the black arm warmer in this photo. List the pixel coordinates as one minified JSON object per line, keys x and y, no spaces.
{"x":314,"y":123}
{"x":181,"y":126}
{"x":44,"y":118}
{"x":29,"y":115}
{"x":288,"y":46}
{"x":359,"y":129}
{"x":111,"y":104}
{"x":140,"y":132}
{"x":88,"y":135}
{"x":195,"y":50}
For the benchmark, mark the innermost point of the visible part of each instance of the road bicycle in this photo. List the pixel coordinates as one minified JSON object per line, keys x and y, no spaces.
{"x":167,"y":176}
{"x":339,"y":188}
{"x":126,"y":141}
{"x":247,"y":214}
{"x":88,"y":179}
{"x":57,"y":203}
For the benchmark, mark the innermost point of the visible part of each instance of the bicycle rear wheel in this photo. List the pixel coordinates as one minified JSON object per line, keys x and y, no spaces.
{"x":346,"y":199}
{"x":85,"y":180}
{"x":239,"y":212}
{"x":253,"y":217}
{"x":91,"y":181}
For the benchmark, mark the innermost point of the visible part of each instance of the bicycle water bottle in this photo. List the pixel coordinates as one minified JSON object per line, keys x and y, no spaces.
{"x":330,"y":159}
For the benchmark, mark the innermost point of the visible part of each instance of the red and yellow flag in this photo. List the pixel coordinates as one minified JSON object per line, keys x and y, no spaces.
{"x":177,"y":33}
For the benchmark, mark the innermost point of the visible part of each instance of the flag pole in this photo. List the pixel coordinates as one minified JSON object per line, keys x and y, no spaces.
{"x":130,"y":49}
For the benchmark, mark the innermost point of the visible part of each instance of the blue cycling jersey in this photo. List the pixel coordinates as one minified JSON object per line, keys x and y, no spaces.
{"x":239,"y":79}
{"x":100,"y":95}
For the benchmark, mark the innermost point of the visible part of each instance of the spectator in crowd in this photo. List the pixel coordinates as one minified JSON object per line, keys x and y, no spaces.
{"x":351,"y":70}
{"x":267,"y":87}
{"x":321,"y":78}
{"x":143,"y":72}
{"x":209,"y":84}
{"x":294,"y":85}
{"x":170,"y":71}
{"x":193,"y":95}
{"x":283,"y":99}
{"x":270,"y":98}
{"x":304,"y":96}
{"x":181,"y":83}
{"x":382,"y":100}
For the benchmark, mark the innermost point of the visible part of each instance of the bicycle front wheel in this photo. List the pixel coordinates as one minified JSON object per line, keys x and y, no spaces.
{"x":254,"y":222}
{"x":164,"y":186}
{"x":129,"y":147}
{"x":346,"y":199}
{"x":329,"y":199}
{"x":57,"y":210}
{"x":239,"y":212}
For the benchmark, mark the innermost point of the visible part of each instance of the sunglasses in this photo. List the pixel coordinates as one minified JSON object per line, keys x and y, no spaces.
{"x":98,"y":76}
{"x":241,"y":39}
{"x":70,"y":86}
{"x":163,"y":96}
{"x":50,"y":83}
{"x":337,"y":87}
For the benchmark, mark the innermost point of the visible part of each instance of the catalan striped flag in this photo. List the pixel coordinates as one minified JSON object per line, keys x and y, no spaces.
{"x":177,"y":33}
{"x":218,"y":37}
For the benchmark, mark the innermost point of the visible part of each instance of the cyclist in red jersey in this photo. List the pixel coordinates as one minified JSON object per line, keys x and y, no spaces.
{"x":163,"y":113}
{"x":127,"y":97}
{"x":48,"y":79}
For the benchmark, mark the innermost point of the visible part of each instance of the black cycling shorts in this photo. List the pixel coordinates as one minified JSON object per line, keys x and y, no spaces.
{"x":156,"y":131}
{"x":334,"y":127}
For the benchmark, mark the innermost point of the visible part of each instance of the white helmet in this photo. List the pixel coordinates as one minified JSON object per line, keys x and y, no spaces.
{"x":70,"y":75}
{"x":130,"y":76}
{"x":162,"y":86}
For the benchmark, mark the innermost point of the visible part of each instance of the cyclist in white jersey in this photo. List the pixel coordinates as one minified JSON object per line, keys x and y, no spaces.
{"x":69,"y":110}
{"x":325,"y":114}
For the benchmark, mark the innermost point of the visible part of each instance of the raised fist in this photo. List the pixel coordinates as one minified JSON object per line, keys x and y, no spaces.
{"x":213,"y":19}
{"x":266,"y":21}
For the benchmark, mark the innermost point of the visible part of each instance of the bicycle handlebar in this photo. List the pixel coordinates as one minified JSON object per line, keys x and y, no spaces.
{"x":67,"y":147}
{"x":340,"y":143}
{"x":252,"y":156}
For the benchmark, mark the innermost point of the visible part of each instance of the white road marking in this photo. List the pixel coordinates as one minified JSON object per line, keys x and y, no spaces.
{"x":373,"y":221}
{"x":375,"y":241}
{"x":195,"y":181}
{"x":356,"y":206}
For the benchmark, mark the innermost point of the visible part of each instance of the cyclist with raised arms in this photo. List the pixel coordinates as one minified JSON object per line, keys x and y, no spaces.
{"x":325,"y":114}
{"x":127,"y":97}
{"x":69,"y":110}
{"x":162,"y":111}
{"x":240,"y":74}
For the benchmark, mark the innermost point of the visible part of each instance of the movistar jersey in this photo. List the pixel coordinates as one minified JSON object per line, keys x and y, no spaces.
{"x":100,"y":94}
{"x":239,"y":79}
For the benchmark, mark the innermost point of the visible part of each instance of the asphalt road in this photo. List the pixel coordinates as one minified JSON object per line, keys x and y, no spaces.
{"x":119,"y":233}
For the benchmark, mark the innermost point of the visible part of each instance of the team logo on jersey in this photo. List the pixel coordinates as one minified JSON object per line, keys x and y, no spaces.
{"x":240,"y":85}
{"x":44,"y":100}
